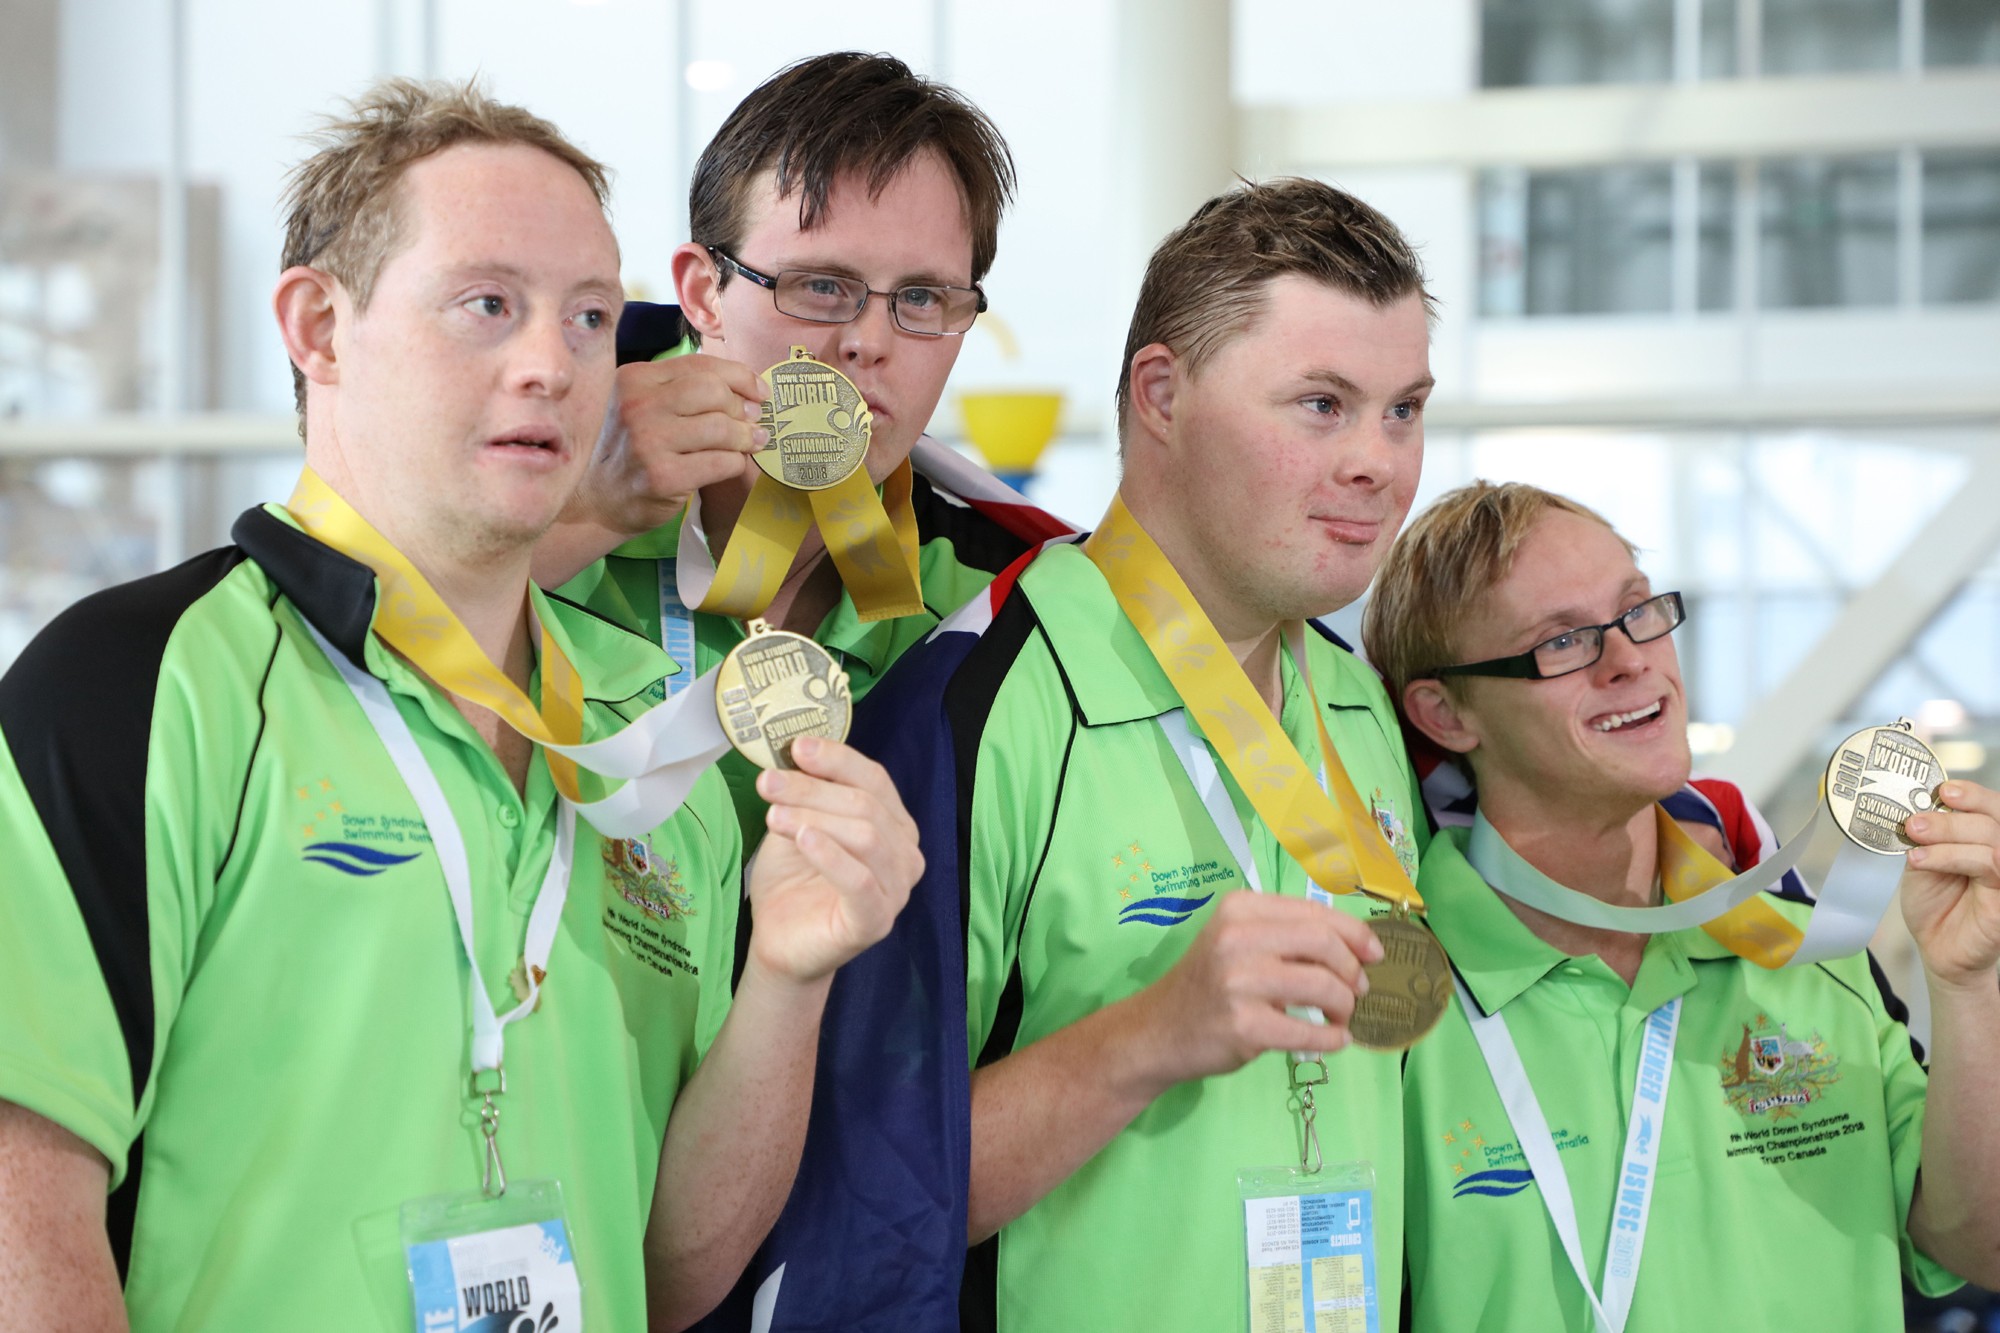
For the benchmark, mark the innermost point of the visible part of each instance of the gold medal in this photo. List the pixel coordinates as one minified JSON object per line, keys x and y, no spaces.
{"x":1407,"y":990}
{"x":1878,"y":778}
{"x":775,"y":687}
{"x":818,"y":421}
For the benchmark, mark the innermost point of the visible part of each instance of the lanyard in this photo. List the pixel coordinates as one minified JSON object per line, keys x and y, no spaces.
{"x":1308,"y":1070}
{"x":489,"y":1028}
{"x":1853,"y":896}
{"x":1637,"y":1171}
{"x":1327,"y":830}
{"x":872,"y":540}
{"x":660,"y":756}
{"x":676,"y":624}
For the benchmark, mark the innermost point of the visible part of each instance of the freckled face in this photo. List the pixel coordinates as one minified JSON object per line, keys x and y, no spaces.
{"x":1297,"y":448}
{"x":471,"y":389}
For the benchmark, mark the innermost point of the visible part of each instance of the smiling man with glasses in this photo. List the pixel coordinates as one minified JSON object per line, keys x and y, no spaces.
{"x":1625,"y":1131}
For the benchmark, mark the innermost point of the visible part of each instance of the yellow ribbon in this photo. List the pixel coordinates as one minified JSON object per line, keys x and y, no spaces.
{"x":873,"y":546}
{"x":1753,"y":929}
{"x":1329,"y":832}
{"x":412,"y":618}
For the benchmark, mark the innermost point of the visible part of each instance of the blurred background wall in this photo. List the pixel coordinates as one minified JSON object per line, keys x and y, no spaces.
{"x":1728,"y":270}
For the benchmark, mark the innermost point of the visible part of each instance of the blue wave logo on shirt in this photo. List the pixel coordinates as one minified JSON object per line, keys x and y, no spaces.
{"x":353,"y":858}
{"x":1162,"y":910}
{"x":1496,"y":1184}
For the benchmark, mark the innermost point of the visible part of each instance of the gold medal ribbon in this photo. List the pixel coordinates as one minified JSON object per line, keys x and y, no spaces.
{"x":1753,"y":929}
{"x":1328,"y":832}
{"x":873,"y":545}
{"x":412,"y":618}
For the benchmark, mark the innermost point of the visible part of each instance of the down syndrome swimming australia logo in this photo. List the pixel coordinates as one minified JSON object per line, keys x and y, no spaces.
{"x":359,"y":845}
{"x":1494,"y":1169}
{"x":1150,"y":896}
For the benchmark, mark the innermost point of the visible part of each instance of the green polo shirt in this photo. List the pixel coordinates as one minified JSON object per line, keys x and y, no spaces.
{"x":1093,"y":866}
{"x":231,"y":967}
{"x":960,"y":551}
{"x":1783,"y":1188}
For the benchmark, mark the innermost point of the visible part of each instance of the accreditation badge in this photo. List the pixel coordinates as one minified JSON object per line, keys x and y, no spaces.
{"x":1309,"y":1249}
{"x":493,"y":1265}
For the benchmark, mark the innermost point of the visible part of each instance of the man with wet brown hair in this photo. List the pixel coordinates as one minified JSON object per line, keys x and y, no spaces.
{"x":1128,"y":1045}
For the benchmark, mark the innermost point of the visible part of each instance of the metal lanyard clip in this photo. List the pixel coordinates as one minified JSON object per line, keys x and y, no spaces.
{"x":486,"y":1084}
{"x":1303,"y":1083}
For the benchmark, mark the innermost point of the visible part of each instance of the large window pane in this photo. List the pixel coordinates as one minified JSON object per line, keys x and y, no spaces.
{"x":1575,"y":41}
{"x":1962,"y":226}
{"x":1961,"y":32}
{"x":1718,"y":39}
{"x":1715,"y":251}
{"x":1829,"y":36}
{"x":1588,"y":242}
{"x":1829,"y":232}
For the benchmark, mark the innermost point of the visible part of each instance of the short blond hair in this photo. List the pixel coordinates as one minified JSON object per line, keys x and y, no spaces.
{"x":1210,"y":278}
{"x":1448,"y":557}
{"x":342,"y":205}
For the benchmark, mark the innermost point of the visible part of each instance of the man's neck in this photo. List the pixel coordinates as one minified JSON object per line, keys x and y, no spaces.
{"x":1610,"y":856}
{"x":1252,"y":639}
{"x":811,"y":587}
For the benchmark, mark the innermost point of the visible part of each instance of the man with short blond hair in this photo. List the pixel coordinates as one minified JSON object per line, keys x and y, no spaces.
{"x":1629,"y":1123}
{"x":311,"y":965}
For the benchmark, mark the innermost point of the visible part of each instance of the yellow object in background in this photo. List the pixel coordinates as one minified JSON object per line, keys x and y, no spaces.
{"x":1011,"y":427}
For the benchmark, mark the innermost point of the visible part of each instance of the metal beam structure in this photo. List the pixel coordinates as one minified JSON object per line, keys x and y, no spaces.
{"x":1601,"y":124}
{"x":1875,"y":628}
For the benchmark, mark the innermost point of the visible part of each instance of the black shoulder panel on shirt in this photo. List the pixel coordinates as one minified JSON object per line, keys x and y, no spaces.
{"x":968,"y":703}
{"x":977,"y":540}
{"x":77,"y":713}
{"x":334,"y":591}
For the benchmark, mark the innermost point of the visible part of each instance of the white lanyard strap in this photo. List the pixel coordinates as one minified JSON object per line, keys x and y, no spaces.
{"x":1853,"y":896}
{"x":1199,"y":762}
{"x":676,"y":624}
{"x":488,"y":1027}
{"x":1637,"y":1172}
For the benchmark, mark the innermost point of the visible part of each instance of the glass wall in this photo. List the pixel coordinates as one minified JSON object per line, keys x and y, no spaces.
{"x":1544,"y":42}
{"x":1830,"y":233}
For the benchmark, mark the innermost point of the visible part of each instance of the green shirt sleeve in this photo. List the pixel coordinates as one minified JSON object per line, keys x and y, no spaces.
{"x":92,"y":973}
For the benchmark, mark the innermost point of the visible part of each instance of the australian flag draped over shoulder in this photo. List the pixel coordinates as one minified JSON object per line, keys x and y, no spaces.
{"x":872,"y":1239}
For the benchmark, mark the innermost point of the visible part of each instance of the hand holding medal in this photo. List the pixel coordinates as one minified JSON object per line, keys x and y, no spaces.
{"x":775,"y":687}
{"x":812,"y":475}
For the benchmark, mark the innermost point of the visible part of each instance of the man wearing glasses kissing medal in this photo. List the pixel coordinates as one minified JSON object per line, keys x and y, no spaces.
{"x":843,"y":217}
{"x":1631,"y":1120}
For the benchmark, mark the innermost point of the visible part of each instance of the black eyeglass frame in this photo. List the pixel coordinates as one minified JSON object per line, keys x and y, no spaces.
{"x":1523,"y":666}
{"x":769,"y":282}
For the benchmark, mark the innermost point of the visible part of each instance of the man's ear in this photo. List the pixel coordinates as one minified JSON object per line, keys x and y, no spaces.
{"x":1150,"y":389}
{"x":1432,"y":711}
{"x":305,"y":305}
{"x":698,"y":284}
